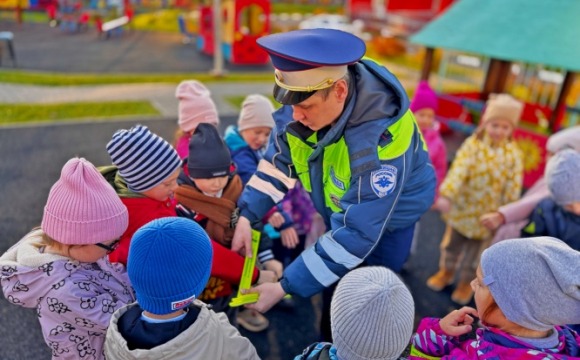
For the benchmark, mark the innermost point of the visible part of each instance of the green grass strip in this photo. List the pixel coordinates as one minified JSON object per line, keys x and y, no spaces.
{"x":22,"y":113}
{"x":62,"y":79}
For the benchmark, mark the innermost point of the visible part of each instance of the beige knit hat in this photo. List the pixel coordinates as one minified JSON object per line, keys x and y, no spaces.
{"x":503,"y":106}
{"x":371,"y":314}
{"x":195,"y":105}
{"x":256,"y":112}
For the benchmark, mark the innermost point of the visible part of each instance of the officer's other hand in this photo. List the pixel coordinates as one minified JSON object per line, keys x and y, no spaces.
{"x":267,"y":276}
{"x":270,"y":295}
{"x":275,"y":266}
{"x":242,"y":241}
{"x":276,"y":219}
{"x":289,"y":238}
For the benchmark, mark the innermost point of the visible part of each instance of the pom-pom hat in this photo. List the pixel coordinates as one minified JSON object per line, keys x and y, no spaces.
{"x":309,"y":60}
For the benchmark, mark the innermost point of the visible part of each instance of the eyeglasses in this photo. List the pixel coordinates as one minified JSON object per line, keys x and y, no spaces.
{"x":111,"y":247}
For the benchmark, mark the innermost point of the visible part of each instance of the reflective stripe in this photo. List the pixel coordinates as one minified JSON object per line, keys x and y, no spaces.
{"x":266,"y":188}
{"x":267,"y":168}
{"x":338,"y":253}
{"x":300,"y":153}
{"x":402,"y":132}
{"x":318,"y":268}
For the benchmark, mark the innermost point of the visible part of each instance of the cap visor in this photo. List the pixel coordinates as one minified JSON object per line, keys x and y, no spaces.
{"x":288,"y":97}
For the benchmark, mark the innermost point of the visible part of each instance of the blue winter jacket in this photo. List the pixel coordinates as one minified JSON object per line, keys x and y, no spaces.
{"x":550,"y":219}
{"x":391,"y":180}
{"x":245,"y":158}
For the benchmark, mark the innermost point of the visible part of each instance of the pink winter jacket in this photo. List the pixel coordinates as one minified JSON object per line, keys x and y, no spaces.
{"x":74,"y":301}
{"x":437,"y":153}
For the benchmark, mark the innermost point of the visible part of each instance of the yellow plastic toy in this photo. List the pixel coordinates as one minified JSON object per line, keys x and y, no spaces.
{"x":247,"y":272}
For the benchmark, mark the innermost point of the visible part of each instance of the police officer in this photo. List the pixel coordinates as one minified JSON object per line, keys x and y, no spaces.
{"x":346,"y":132}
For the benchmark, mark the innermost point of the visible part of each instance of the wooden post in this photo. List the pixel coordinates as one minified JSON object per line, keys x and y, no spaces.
{"x":564,"y":91}
{"x":427,"y":63}
{"x":496,"y":77}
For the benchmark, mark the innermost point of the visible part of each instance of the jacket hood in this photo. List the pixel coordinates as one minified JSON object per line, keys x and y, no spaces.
{"x":111,"y":174}
{"x":24,"y":264}
{"x":233,"y":139}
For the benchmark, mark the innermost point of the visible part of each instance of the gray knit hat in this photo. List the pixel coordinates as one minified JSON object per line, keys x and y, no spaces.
{"x":371,"y":314}
{"x":534,"y":281}
{"x":143,"y":158}
{"x":563,"y":177}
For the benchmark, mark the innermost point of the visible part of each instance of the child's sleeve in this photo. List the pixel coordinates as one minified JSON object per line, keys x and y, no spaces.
{"x":514,"y":178}
{"x":228,"y":265}
{"x":459,"y":170}
{"x":430,"y":342}
{"x":536,"y":225}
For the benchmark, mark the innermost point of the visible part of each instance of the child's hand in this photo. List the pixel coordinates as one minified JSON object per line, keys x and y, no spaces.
{"x":442,"y":204}
{"x":276,"y":219}
{"x":458,"y":322}
{"x":492,"y":220}
{"x":289,"y":237}
{"x":267,"y":276}
{"x":275,"y":266}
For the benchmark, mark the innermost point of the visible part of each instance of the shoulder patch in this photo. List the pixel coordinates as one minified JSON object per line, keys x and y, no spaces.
{"x":384,"y":181}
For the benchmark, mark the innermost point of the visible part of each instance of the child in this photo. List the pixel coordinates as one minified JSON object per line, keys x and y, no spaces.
{"x":144,"y":176}
{"x":559,"y":215}
{"x":293,"y":216}
{"x":169,"y":265}
{"x":208,"y":193}
{"x":486,"y":173}
{"x":195,"y":107}
{"x":525,"y":290}
{"x":372,"y":314}
{"x":424,"y":106}
{"x":61,"y":269}
{"x":509,"y":220}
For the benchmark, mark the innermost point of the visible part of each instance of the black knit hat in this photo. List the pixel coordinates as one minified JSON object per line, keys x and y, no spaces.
{"x":209,"y":156}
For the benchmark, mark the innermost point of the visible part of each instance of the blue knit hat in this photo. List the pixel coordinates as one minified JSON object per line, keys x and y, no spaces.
{"x":169,"y":264}
{"x":534,"y":281}
{"x":143,"y":158}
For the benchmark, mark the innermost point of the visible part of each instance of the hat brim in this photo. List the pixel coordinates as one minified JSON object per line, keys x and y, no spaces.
{"x":289,"y":97}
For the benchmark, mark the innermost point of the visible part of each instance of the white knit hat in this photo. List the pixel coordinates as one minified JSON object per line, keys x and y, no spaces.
{"x":564,"y":139}
{"x":563,"y":177}
{"x":371,"y":314}
{"x":256,"y":112}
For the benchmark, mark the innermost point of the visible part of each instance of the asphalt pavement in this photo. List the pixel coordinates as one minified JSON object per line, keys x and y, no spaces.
{"x":33,"y":155}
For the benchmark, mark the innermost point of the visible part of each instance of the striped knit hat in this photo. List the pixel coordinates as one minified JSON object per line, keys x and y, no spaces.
{"x":371,"y":314}
{"x":143,"y":158}
{"x":82,"y":208}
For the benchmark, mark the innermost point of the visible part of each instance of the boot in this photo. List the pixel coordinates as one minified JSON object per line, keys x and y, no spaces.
{"x":462,"y":293}
{"x":440,"y":280}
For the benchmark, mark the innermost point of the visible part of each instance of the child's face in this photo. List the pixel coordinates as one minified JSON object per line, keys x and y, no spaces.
{"x":425,"y":118}
{"x":165,"y":189}
{"x":211,"y":187}
{"x":482,"y":295}
{"x":498,"y":129}
{"x":256,"y":137}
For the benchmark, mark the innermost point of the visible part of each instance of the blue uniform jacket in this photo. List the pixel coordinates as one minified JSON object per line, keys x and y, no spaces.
{"x":376,"y":101}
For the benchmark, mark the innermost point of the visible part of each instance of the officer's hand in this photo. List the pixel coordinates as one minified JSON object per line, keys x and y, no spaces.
{"x":492,"y":220}
{"x":267,"y":276}
{"x":289,"y":237}
{"x":270,"y":294}
{"x":242,"y":241}
{"x":275,"y":266}
{"x":458,"y":322}
{"x":276,"y":219}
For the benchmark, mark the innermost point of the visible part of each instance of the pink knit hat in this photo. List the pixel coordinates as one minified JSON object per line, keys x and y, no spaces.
{"x":256,"y":112}
{"x":82,"y":208}
{"x":195,"y":105}
{"x":425,"y":98}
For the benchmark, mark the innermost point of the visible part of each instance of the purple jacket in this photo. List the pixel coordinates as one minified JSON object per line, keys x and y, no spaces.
{"x":431,"y":342}
{"x":74,"y":301}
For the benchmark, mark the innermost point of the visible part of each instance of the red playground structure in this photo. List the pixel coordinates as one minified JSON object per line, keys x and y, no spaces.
{"x":243,"y":22}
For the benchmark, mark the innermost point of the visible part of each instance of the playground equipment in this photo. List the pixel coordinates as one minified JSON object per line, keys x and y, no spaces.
{"x":244,"y":21}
